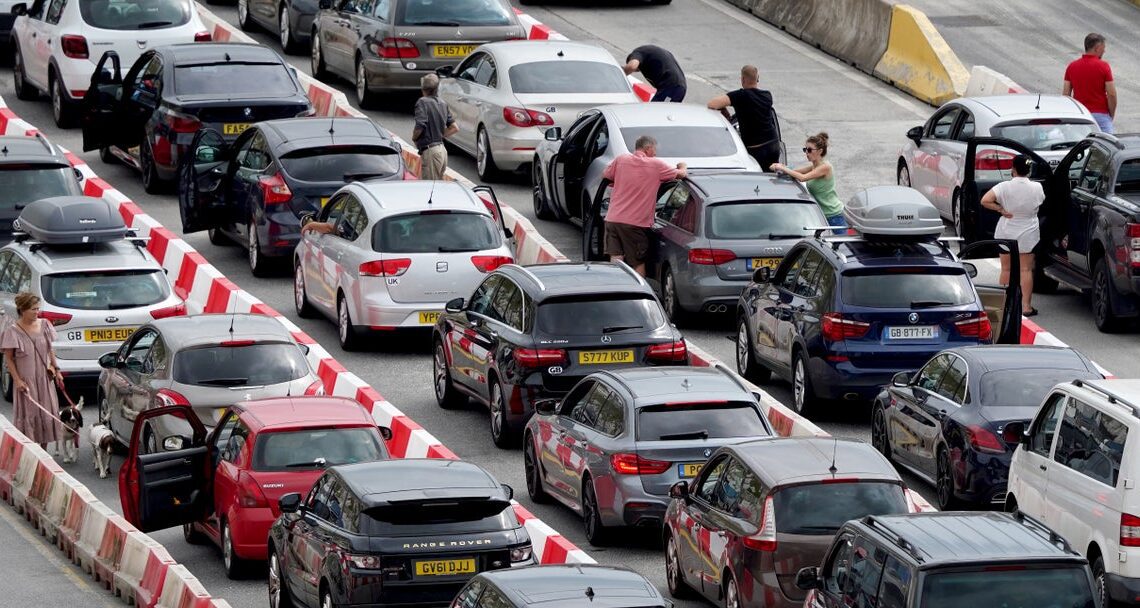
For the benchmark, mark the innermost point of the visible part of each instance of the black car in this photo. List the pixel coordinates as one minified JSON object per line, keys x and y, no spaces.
{"x":255,"y":190}
{"x":292,"y":20}
{"x":395,"y":532}
{"x":958,"y":420}
{"x":560,"y":586}
{"x":31,"y":168}
{"x":534,"y":332}
{"x":149,"y":117}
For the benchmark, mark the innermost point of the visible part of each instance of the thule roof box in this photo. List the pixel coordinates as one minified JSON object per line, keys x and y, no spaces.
{"x":70,"y":220}
{"x":893,"y":213}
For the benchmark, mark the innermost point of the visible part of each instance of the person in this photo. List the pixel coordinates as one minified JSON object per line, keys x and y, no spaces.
{"x":433,"y":124}
{"x":754,"y":115}
{"x":1088,"y":79}
{"x":1017,"y":200}
{"x":661,"y":69}
{"x":819,"y":177}
{"x":32,"y":366}
{"x":636,"y":178}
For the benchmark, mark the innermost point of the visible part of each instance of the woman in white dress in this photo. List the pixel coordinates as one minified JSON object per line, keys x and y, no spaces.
{"x":1018,"y":200}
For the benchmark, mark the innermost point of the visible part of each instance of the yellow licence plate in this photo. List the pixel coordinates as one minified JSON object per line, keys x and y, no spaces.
{"x":772,"y":263}
{"x":592,"y":357}
{"x":690,"y":469}
{"x":234,"y":128}
{"x":452,"y":50}
{"x":428,"y":318}
{"x":445,"y":567}
{"x":114,"y":334}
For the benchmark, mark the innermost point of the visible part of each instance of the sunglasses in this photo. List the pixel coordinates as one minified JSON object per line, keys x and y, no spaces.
{"x":808,"y":150}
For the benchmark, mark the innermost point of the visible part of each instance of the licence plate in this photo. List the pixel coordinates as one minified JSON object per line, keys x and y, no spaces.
{"x":916,"y":332}
{"x":772,"y":263}
{"x":234,"y":128}
{"x":445,"y":567}
{"x":593,"y":357}
{"x":428,"y":318}
{"x":114,"y":334}
{"x":689,"y":469}
{"x":324,"y":201}
{"x":456,"y":51}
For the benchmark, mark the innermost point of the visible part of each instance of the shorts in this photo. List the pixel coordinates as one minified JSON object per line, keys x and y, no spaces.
{"x":675,"y":93}
{"x":629,"y":242}
{"x":765,"y":155}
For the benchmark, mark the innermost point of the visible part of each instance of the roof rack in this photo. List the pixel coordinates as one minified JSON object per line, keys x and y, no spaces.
{"x":1038,"y":526}
{"x":1112,"y":396}
{"x":531,"y":275}
{"x":47,"y":144}
{"x":1109,"y":138}
{"x":872,"y":522}
{"x":631,"y":272}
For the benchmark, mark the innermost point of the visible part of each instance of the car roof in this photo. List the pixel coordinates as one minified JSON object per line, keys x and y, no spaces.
{"x":881,"y":253}
{"x":280,"y":413}
{"x":288,"y":134}
{"x":110,"y":255}
{"x":659,"y":114}
{"x":514,"y":52}
{"x":655,"y":385}
{"x":571,"y":279}
{"x":23,"y":149}
{"x":414,"y":195}
{"x":1027,"y":105}
{"x":422,"y":475}
{"x":991,"y":357}
{"x":1125,"y":391}
{"x":214,"y":328}
{"x":783,"y":460}
{"x":218,"y":52}
{"x":750,"y":185}
{"x":566,"y":584}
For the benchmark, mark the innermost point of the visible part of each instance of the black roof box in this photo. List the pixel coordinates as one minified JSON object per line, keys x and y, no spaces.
{"x":893,"y":212}
{"x":71,"y":220}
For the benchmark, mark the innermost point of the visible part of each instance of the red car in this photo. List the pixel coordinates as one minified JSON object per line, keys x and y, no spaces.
{"x":223,"y":485}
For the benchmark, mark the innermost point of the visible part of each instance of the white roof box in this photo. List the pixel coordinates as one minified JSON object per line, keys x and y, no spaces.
{"x":892,"y":212}
{"x":71,"y":220}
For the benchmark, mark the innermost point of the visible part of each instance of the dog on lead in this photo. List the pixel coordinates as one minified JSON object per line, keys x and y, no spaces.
{"x":72,"y":419}
{"x":102,"y":440}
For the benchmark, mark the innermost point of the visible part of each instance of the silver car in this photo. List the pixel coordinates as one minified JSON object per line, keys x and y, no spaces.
{"x":568,"y":165}
{"x":612,"y":447}
{"x":506,"y":94}
{"x":398,"y":251}
{"x":207,"y":361}
{"x":931,"y":161}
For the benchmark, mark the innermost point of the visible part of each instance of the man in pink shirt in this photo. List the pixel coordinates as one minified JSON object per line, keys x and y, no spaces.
{"x":636,"y":178}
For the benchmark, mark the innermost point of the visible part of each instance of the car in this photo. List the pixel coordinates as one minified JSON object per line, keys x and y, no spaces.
{"x":713,"y":230}
{"x":1074,"y":471}
{"x":957,"y":421}
{"x":226,"y":483}
{"x":842,"y":315}
{"x":405,"y":532}
{"x":389,"y":45}
{"x":533,"y":332}
{"x":505,"y":95}
{"x":560,"y":585}
{"x":761,"y":510}
{"x":568,"y":182}
{"x":291,"y":20}
{"x":96,"y":280}
{"x":255,"y":190}
{"x":148,"y":118}
{"x":630,"y":434}
{"x":32,"y":168}
{"x":401,"y":250}
{"x":932,"y":159}
{"x":939,"y":560}
{"x":206,"y":361}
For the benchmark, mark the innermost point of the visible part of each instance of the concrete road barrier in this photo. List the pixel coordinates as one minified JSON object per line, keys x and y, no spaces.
{"x":919,"y":61}
{"x":985,"y":81}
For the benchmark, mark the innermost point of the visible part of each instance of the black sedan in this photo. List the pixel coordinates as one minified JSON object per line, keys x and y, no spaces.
{"x":255,"y":190}
{"x":957,"y":421}
{"x":148,"y":118}
{"x":562,"y":585}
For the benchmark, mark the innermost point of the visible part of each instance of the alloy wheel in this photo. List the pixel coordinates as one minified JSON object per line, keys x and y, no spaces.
{"x":904,"y":176}
{"x":57,"y":101}
{"x":326,"y":600}
{"x":274,"y":581}
{"x":799,"y":385}
{"x":482,"y":145}
{"x":497,"y":413}
{"x":227,"y":548}
{"x":538,"y":191}
{"x":299,"y":288}
{"x":1100,"y":298}
{"x":534,"y":487}
{"x":439,"y":369}
{"x":361,"y":83}
{"x":255,"y":262}
{"x":945,"y":481}
{"x":342,"y":321}
{"x":590,"y":510}
{"x":743,"y":348}
{"x":673,"y":568}
{"x":284,"y":29}
{"x":879,"y":433}
{"x":6,"y":382}
{"x":672,"y":309}
{"x":104,"y":411}
{"x":731,"y":595}
{"x":243,"y":13}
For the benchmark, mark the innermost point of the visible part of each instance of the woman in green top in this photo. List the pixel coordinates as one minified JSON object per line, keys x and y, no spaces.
{"x":820,"y":180}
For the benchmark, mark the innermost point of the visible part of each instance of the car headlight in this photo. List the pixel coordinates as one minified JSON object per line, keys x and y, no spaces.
{"x":521,"y":554}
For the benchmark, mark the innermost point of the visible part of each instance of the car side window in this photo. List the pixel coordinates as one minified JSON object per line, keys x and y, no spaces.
{"x":150,"y":77}
{"x":492,"y":598}
{"x":727,"y":495}
{"x":790,"y":269}
{"x":513,"y":313}
{"x":942,"y":125}
{"x":686,"y":216}
{"x":139,"y":348}
{"x":487,"y":74}
{"x":222,"y":437}
{"x":966,"y":131}
{"x":155,"y":357}
{"x":895,"y":588}
{"x":611,"y":418}
{"x":581,"y":126}
{"x":1041,"y":434}
{"x":586,"y":410}
{"x":235,"y":443}
{"x":1077,"y":446}
{"x":253,"y":156}
{"x":13,"y":272}
{"x":468,"y":597}
{"x":320,"y":500}
{"x":383,"y":9}
{"x":710,"y":475}
{"x":23,"y":279}
{"x":346,"y":227}
{"x":805,"y":279}
{"x":825,"y":284}
{"x":600,"y":140}
{"x":333,"y":210}
{"x":862,"y":586}
{"x":5,"y":259}
{"x":507,"y":303}
{"x":931,"y":373}
{"x":1074,"y":163}
{"x":1095,"y":168}
{"x":1111,"y":435}
{"x":953,"y":384}
{"x":54,"y":11}
{"x":672,"y":201}
{"x":338,"y":499}
{"x":574,"y":397}
{"x":838,"y":565}
{"x":751,"y":503}
{"x":470,"y":67}
{"x":481,"y":299}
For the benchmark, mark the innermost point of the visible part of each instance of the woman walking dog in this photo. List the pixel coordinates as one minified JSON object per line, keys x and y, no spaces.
{"x":32,"y":366}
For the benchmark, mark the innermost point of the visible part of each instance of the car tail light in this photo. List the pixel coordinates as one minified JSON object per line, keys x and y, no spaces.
{"x":836,"y":327}
{"x":487,"y":263}
{"x":249,"y":493}
{"x":632,"y":464}
{"x":385,"y":268}
{"x":1129,"y":530}
{"x":993,"y":160}
{"x":182,"y":123}
{"x":364,"y":562}
{"x":203,"y":37}
{"x":765,"y":539}
{"x":540,"y":357}
{"x":676,"y":351}
{"x":396,"y":48}
{"x":522,"y":553}
{"x":167,"y":398}
{"x":316,"y":388}
{"x":55,"y":318}
{"x":1133,"y":233}
{"x":522,"y":117}
{"x":977,"y":326}
{"x":73,"y":46}
{"x":274,"y":190}
{"x":711,"y":257}
{"x":236,"y":343}
{"x":984,"y":440}
{"x":178,"y":310}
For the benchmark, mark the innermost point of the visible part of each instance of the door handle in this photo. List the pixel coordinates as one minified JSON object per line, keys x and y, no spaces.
{"x":492,"y":334}
{"x":1042,"y":467}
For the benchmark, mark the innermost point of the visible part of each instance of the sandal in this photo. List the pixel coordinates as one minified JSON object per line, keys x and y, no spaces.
{"x":1032,"y":313}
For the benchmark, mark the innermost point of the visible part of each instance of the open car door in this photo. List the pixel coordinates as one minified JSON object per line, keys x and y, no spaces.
{"x":1002,"y":304}
{"x":989,"y":161}
{"x":101,"y":103}
{"x":202,"y":182}
{"x":162,"y":482}
{"x":492,"y":203}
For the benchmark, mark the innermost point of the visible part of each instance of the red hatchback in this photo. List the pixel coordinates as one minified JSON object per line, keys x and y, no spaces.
{"x":223,"y":485}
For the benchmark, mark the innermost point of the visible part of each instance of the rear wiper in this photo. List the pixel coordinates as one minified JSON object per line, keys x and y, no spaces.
{"x":457,"y":249}
{"x":356,"y":177}
{"x":701,"y":434}
{"x":150,"y":24}
{"x":773,"y":237}
{"x":1062,"y":145}
{"x":224,"y":382}
{"x":612,"y":328}
{"x":929,"y":303}
{"x":442,"y":23}
{"x":319,"y":462}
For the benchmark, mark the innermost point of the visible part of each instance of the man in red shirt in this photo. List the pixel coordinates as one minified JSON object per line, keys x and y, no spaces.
{"x":636,"y":178}
{"x":1089,"y":81}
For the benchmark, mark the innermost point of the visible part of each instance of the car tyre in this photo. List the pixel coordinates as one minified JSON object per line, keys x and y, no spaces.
{"x":593,"y":233}
{"x":192,"y":536}
{"x":235,"y":566}
{"x":367,"y":99}
{"x":316,"y":57}
{"x":670,"y":299}
{"x":596,"y":532}
{"x":107,"y":156}
{"x":305,"y":310}
{"x":347,"y":333}
{"x":152,"y":183}
{"x":542,"y":208}
{"x":63,"y":110}
{"x":289,"y":44}
{"x":944,"y":482}
{"x":484,"y":158}
{"x":533,"y":468}
{"x":746,"y":363}
{"x":1100,"y":579}
{"x":674,"y":577}
{"x":259,"y":265}
{"x":6,"y":383}
{"x":245,"y":22}
{"x":802,"y":392}
{"x":25,"y":90}
{"x":731,"y":593}
{"x":502,"y":432}
{"x":1103,"y":315}
{"x":902,"y":176}
{"x":327,"y":601}
{"x":958,"y":213}
{"x":446,"y":395}
{"x":217,"y":237}
{"x":279,"y":594}
{"x":880,"y":438}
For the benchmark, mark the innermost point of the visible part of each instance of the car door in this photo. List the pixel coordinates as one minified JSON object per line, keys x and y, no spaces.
{"x":305,"y":542}
{"x":989,"y":161}
{"x":665,"y":209}
{"x":566,"y":162}
{"x":771,"y":311}
{"x":141,"y":96}
{"x":321,"y":269}
{"x":556,"y":441}
{"x":798,"y":319}
{"x":502,"y":326}
{"x":674,"y":234}
{"x":581,"y":437}
{"x":341,"y":247}
{"x":134,"y":395}
{"x":226,"y":444}
{"x":936,"y":169}
{"x":914,"y":428}
{"x":695,"y":551}
{"x":835,"y":571}
{"x":340,"y":38}
{"x":1055,"y":221}
{"x":1081,"y":492}
{"x":459,"y":92}
{"x":202,"y":182}
{"x":165,"y":487}
{"x":251,"y":159}
{"x":467,"y":356}
{"x":954,"y":152}
{"x":1089,"y":187}
{"x":1030,"y":472}
{"x":102,"y":103}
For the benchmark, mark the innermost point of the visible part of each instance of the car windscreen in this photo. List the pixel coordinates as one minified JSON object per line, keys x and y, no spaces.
{"x":684,"y":142}
{"x":438,"y":517}
{"x":821,"y":508}
{"x":598,"y":316}
{"x":567,"y":77}
{"x":435,"y":232}
{"x":452,"y":13}
{"x":21,"y":184}
{"x":1009,"y":587}
{"x":105,"y":290}
{"x":334,"y":163}
{"x":236,"y":79}
{"x":762,"y":219}
{"x":699,"y":420}
{"x":135,"y":14}
{"x":310,"y":448}
{"x":902,"y":287}
{"x":1128,"y":178}
{"x":1026,"y":388}
{"x":1044,"y":135}
{"x":240,"y":364}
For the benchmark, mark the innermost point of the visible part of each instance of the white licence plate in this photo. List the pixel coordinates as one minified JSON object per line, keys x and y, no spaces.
{"x":913,"y":332}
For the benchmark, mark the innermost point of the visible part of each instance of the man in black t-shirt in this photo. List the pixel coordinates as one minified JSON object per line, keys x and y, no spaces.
{"x":754,"y":114}
{"x":660,"y":68}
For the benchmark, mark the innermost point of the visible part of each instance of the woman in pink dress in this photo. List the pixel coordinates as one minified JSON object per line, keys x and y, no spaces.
{"x":31,"y":363}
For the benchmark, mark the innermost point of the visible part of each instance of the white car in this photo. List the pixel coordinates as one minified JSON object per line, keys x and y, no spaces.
{"x":57,"y":43}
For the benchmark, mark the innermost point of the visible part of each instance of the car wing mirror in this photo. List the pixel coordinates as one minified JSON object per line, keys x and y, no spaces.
{"x":554,"y":134}
{"x":900,"y":380}
{"x":971,"y":270}
{"x":762,"y":275}
{"x":546,"y":407}
{"x":1013,"y":432}
{"x":455,"y":305}
{"x":109,"y":361}
{"x":445,"y":71}
{"x":290,"y":503}
{"x":306,"y":218}
{"x":20,"y":9}
{"x":385,"y":432}
{"x":509,"y":490}
{"x":915,"y":135}
{"x":679,"y":490}
{"x":808,"y":578}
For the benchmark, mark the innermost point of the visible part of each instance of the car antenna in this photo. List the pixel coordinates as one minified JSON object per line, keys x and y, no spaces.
{"x":1038,"y":106}
{"x":834,"y":447}
{"x":431,"y":192}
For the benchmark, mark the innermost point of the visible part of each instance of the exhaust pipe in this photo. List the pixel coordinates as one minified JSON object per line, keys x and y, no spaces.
{"x":851,"y":396}
{"x":717,"y":308}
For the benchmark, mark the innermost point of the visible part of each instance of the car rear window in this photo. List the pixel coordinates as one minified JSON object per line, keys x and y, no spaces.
{"x":1045,"y":135}
{"x":1128,"y":178}
{"x":459,"y":516}
{"x":567,"y":77}
{"x":135,"y":14}
{"x":705,"y":420}
{"x":907,"y":288}
{"x":687,"y":142}
{"x":257,"y":364}
{"x":762,"y":220}
{"x":234,"y":79}
{"x":453,"y":13}
{"x":599,"y":316}
{"x":1027,"y":388}
{"x":309,"y":448}
{"x":436,"y":231}
{"x":1009,"y":586}
{"x":821,"y":508}
{"x":105,"y":290}
{"x":22,"y":184}
{"x":335,"y":163}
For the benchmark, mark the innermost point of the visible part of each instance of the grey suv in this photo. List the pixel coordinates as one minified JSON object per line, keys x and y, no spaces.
{"x":31,"y":168}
